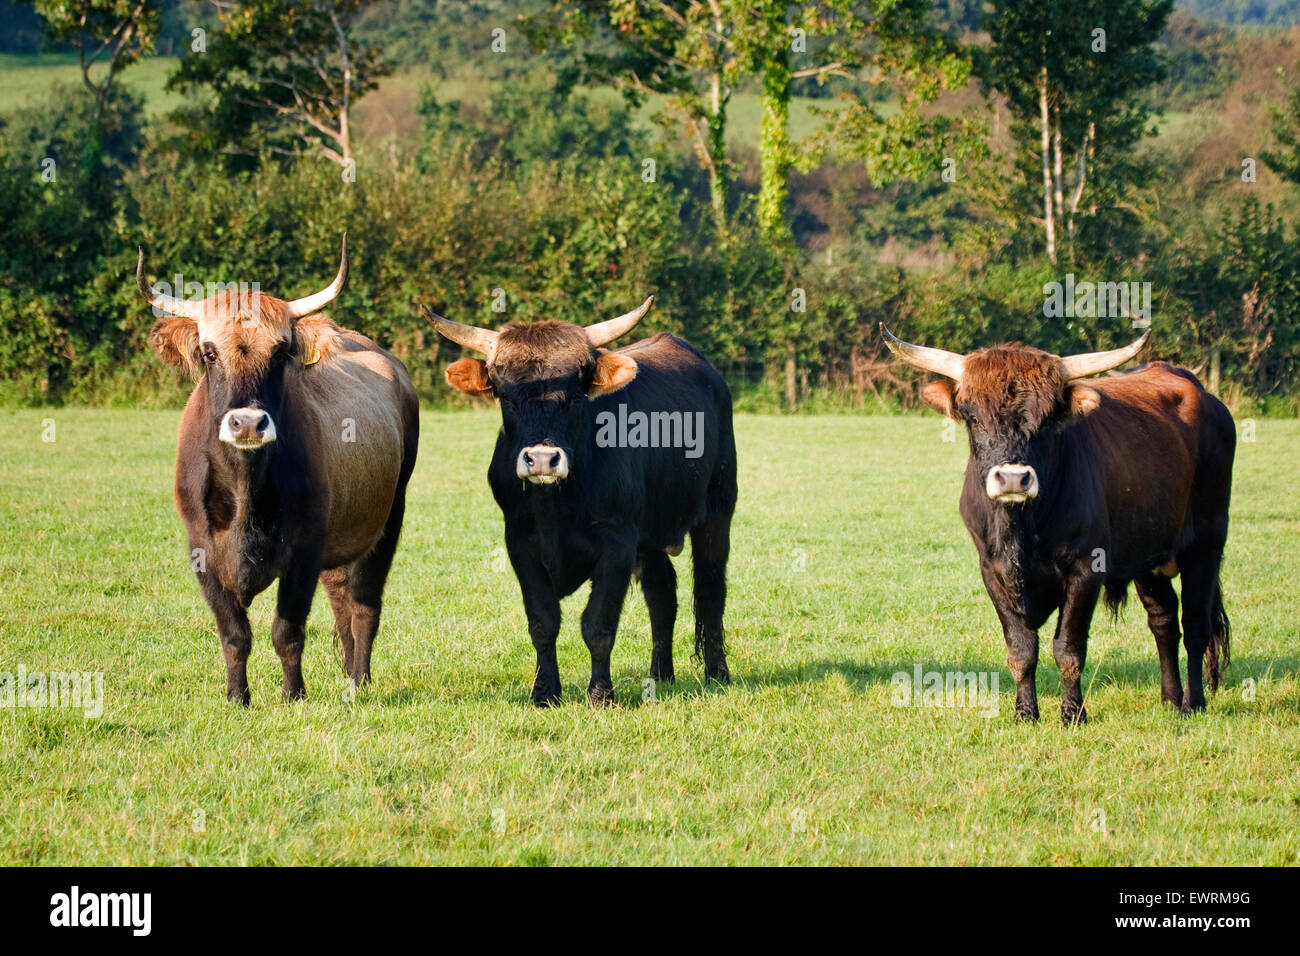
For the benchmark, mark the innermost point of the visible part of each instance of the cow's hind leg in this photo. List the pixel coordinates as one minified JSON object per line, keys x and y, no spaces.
{"x":1158,"y":597}
{"x":335,"y":581}
{"x":710,"y":548}
{"x":366,"y":579}
{"x":1205,"y":626}
{"x":659,"y":585}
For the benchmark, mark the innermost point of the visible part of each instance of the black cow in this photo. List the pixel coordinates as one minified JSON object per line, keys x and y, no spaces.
{"x":1074,"y":486}
{"x":605,"y":461}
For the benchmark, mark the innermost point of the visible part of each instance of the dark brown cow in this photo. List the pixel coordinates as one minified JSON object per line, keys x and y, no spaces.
{"x":295,"y":451}
{"x":1074,"y":486}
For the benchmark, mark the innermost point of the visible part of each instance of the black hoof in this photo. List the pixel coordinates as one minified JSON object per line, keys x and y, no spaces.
{"x":1028,"y":716}
{"x":545,"y":696}
{"x":1073,"y":718}
{"x":600,"y":696}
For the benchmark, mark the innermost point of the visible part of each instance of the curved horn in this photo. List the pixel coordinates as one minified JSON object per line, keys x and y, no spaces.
{"x":1094,"y":363}
{"x":607,"y":331}
{"x":470,"y":336}
{"x":301,"y":308}
{"x":932,"y":360}
{"x":165,"y":303}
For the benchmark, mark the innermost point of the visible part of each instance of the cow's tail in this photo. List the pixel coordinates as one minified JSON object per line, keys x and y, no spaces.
{"x":1218,"y":653}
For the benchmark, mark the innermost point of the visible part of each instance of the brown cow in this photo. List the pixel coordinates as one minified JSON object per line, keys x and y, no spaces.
{"x":1074,"y":486}
{"x":295,"y":451}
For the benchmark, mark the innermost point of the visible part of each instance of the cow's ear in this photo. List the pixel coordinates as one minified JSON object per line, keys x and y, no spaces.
{"x":315,"y":338}
{"x":941,"y":397}
{"x":176,"y":340}
{"x":469,"y":375}
{"x":613,"y":371}
{"x":1081,"y":400}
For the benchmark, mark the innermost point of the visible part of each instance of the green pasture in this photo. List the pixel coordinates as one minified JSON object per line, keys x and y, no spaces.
{"x":850,"y":564}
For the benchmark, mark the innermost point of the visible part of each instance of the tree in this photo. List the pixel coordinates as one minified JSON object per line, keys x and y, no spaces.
{"x":115,"y":33}
{"x":285,"y":76}
{"x":1286,"y":129}
{"x":1073,"y":73}
{"x":680,"y":50}
{"x":695,"y":53}
{"x":877,"y":45}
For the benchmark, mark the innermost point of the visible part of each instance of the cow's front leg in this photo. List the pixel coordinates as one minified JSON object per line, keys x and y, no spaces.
{"x":542,"y":607}
{"x":1070,"y":645}
{"x":235,"y":633}
{"x":609,"y":584}
{"x":289,"y":629}
{"x":1022,"y":646}
{"x":1022,"y":661}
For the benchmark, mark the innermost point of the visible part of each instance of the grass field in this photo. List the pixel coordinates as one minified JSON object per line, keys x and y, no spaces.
{"x":849,"y":564}
{"x":25,"y":78}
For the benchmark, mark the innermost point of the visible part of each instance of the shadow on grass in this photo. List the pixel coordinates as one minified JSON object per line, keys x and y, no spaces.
{"x":633,"y":690}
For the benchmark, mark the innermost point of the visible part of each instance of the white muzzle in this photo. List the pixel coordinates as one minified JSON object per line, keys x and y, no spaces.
{"x":1011,"y":484}
{"x":248,"y":429}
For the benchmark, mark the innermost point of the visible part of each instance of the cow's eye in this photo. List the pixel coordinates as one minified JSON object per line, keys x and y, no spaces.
{"x":210,"y":355}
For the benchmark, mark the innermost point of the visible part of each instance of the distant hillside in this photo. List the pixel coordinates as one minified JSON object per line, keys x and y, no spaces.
{"x":1256,"y":12}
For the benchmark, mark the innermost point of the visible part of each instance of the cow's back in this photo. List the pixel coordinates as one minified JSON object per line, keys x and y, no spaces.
{"x":362,"y":413}
{"x":1166,"y":445}
{"x":673,"y":376}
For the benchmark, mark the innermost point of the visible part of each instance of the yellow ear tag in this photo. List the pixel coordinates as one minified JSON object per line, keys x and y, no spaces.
{"x":313,"y":358}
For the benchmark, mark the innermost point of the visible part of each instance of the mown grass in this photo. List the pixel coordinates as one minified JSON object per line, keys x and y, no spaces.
{"x":849,"y":564}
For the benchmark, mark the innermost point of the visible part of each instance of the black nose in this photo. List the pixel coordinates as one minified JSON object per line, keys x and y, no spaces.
{"x":1024,"y":480}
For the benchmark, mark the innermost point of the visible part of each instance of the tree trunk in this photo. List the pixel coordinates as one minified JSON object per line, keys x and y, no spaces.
{"x":1058,"y":167}
{"x":718,"y":151}
{"x":1084,"y":154}
{"x":774,"y":146}
{"x":1049,"y":219}
{"x":791,"y":395}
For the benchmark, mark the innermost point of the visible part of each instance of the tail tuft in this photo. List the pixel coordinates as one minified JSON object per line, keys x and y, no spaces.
{"x":1218,"y":655}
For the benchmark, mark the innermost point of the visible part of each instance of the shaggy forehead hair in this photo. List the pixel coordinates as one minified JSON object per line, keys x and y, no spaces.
{"x":540,"y":350}
{"x":245,"y":329}
{"x":1012,"y":382}
{"x":250,"y":321}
